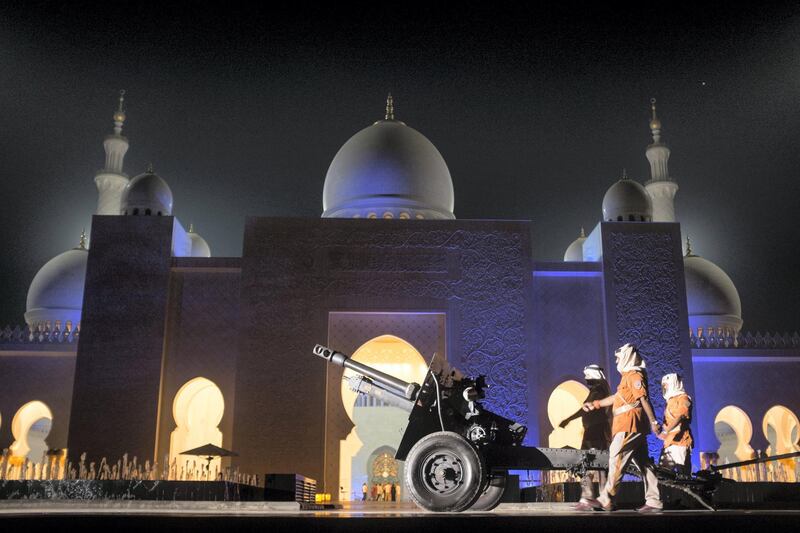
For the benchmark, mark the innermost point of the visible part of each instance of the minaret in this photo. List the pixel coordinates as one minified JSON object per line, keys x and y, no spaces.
{"x":661,"y":187}
{"x":111,"y":180}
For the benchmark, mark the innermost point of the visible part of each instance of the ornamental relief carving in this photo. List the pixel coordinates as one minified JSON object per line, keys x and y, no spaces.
{"x":486,"y":293}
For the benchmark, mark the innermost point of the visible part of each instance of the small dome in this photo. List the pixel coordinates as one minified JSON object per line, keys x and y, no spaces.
{"x":147,"y":194}
{"x":627,"y":201}
{"x":388,"y":170}
{"x":712,"y":297}
{"x":56,"y":292}
{"x":575,"y":250}
{"x":200,"y":247}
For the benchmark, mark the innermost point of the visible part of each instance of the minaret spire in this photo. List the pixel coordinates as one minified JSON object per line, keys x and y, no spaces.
{"x":389,"y":107}
{"x":662,"y":187}
{"x":82,"y":241}
{"x":112,"y":180}
{"x":655,"y":124}
{"x":119,"y":116}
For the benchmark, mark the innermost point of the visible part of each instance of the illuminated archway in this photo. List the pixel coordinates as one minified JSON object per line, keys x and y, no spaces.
{"x":565,"y":400}
{"x":197,"y":410}
{"x":30,"y":427}
{"x":375,"y":425}
{"x":733,"y":430}
{"x":780,"y":426}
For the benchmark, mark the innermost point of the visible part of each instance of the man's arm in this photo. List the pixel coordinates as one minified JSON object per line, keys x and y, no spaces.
{"x":666,"y":429}
{"x":570,"y":418}
{"x":648,"y":410}
{"x":608,"y":401}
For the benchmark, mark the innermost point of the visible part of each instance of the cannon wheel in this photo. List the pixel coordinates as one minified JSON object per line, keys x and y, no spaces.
{"x":444,"y":472}
{"x":493,"y":491}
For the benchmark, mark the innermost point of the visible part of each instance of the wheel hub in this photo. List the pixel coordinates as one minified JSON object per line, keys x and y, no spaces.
{"x":442,"y":472}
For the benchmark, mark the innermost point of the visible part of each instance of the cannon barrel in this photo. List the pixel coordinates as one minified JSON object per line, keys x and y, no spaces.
{"x":364,"y":385}
{"x":385,"y":381}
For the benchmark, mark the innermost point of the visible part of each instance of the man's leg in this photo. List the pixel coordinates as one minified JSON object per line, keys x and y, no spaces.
{"x":602,"y":478}
{"x":682,"y":457}
{"x":652,"y":497}
{"x":619,"y":455}
{"x":587,"y":488}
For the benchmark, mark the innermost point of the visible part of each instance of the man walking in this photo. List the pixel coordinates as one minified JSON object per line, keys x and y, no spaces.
{"x":676,"y":433}
{"x":629,"y":431}
{"x":596,"y":430}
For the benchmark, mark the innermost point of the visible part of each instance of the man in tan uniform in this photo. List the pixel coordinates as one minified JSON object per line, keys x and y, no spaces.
{"x":676,"y":432}
{"x":629,"y":429}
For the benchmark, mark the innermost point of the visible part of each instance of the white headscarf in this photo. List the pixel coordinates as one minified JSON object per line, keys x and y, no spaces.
{"x":628,"y":359}
{"x":593,"y":372}
{"x":671,"y":386}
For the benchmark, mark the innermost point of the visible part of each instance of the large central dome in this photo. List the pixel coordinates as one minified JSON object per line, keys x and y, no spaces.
{"x":388,"y":170}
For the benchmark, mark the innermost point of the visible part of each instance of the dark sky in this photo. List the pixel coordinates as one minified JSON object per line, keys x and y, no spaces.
{"x":535,"y":110}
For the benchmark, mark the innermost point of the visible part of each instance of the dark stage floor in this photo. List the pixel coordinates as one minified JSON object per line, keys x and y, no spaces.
{"x":147,"y":517}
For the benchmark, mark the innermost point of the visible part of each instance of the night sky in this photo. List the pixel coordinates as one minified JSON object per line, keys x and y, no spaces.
{"x":535,"y":111}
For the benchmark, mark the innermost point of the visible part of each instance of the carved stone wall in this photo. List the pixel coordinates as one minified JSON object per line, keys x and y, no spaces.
{"x":646,"y":302}
{"x":294,"y":271}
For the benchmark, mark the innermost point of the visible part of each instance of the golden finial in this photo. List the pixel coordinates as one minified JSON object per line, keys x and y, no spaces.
{"x":624,"y":173}
{"x":583,"y":233}
{"x":191,"y":227}
{"x":149,"y":168}
{"x":655,"y":124}
{"x":82,"y":241}
{"x":119,"y":115}
{"x":689,"y":247}
{"x":389,"y":107}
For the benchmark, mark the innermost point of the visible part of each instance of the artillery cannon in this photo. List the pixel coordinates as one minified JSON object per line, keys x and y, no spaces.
{"x":457,"y":454}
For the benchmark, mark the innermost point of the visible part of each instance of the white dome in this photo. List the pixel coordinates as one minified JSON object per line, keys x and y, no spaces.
{"x":712,"y":297}
{"x":575,"y":250}
{"x":388,"y":170}
{"x":200,"y":247}
{"x":627,"y":201}
{"x":56,"y":292}
{"x":146,"y":194}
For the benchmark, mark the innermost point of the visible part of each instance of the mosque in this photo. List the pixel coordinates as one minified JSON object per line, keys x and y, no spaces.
{"x":144,"y":343}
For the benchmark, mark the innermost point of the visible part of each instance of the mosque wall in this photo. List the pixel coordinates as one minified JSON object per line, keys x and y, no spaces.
{"x":201,"y":338}
{"x":569,"y":333}
{"x":752,"y":380}
{"x":645,"y":297}
{"x":117,"y":374}
{"x":45,"y":376}
{"x":295,"y":271}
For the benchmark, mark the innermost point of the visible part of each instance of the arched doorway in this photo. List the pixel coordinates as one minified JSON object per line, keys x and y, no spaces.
{"x":780,"y":426}
{"x":383,"y":468}
{"x":565,"y":400}
{"x":733,"y":430}
{"x":376,"y":426}
{"x":30,"y":427}
{"x":197,"y":410}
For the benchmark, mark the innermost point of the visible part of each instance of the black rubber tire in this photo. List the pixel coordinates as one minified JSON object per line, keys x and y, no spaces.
{"x":492,"y":493}
{"x":443,"y":472}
